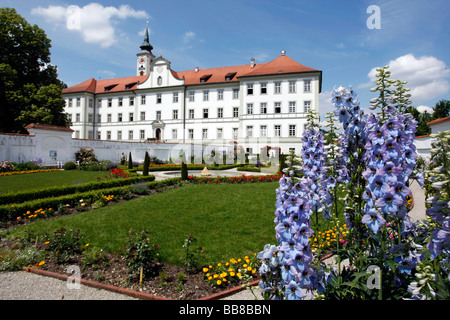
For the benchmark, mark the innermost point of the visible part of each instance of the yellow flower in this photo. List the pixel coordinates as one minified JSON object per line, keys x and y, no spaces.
{"x":232,"y":274}
{"x":249,"y":268}
{"x":205,"y":270}
{"x":86,"y":245}
{"x":216,"y":276}
{"x":41,"y":263}
{"x":219,"y":282}
{"x":46,"y":242}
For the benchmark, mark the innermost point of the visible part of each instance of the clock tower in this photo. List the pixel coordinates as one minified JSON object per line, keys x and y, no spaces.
{"x":145,"y":57}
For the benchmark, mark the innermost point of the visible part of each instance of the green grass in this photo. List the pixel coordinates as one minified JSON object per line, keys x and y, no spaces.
{"x":31,"y":181}
{"x":228,"y":221}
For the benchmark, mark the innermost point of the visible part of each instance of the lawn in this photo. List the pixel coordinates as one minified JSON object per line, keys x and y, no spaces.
{"x":228,"y":220}
{"x":21,"y":182}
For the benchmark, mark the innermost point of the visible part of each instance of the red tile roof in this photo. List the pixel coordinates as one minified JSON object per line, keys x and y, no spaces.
{"x":281,"y":65}
{"x":439,"y":120}
{"x":47,"y":127}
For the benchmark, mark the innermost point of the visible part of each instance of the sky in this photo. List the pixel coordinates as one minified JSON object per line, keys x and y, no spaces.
{"x":346,"y":39}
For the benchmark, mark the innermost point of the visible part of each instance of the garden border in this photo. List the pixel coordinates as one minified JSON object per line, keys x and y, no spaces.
{"x":133,"y":293}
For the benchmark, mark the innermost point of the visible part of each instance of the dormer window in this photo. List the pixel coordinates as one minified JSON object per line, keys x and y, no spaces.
{"x":109,"y":88}
{"x":230,"y":76}
{"x":130,"y":85}
{"x":205,"y":78}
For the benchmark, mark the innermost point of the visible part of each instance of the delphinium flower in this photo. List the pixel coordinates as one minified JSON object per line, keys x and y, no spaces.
{"x":352,"y":140}
{"x":285,"y":269}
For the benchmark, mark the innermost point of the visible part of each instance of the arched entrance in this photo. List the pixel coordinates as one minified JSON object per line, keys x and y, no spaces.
{"x":158,"y":134}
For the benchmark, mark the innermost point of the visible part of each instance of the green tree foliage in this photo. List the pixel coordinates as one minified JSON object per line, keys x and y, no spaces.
{"x":146,"y":164}
{"x":29,"y":88}
{"x":442,"y":109}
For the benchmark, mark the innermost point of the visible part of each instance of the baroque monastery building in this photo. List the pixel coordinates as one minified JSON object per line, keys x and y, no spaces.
{"x":254,"y":105}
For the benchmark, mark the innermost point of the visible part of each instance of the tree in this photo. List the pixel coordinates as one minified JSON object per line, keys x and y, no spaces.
{"x":29,"y":88}
{"x":442,"y":109}
{"x":146,"y":164}
{"x":130,"y":161}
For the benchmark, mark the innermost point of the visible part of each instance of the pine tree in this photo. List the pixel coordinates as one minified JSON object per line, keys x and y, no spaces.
{"x":146,"y":164}
{"x":130,"y":162}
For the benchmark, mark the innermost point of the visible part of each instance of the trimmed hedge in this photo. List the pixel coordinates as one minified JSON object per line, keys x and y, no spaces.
{"x":251,"y":169}
{"x":22,"y":196}
{"x":9,"y":212}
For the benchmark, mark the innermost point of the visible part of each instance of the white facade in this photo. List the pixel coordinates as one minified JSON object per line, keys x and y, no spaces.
{"x":251,"y":105}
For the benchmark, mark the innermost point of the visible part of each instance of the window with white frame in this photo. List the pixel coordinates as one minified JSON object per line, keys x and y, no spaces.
{"x":131,"y":116}
{"x":120,"y":101}
{"x":263,"y":108}
{"x":159,"y":98}
{"x":249,"y":131}
{"x":249,"y":108}
{"x":235,"y":93}
{"x":307,"y":85}
{"x":175,"y":97}
{"x":277,"y":130}
{"x":109,"y":103}
{"x":220,"y":94}
{"x":119,"y":135}
{"x":108,"y":117}
{"x":263,"y":88}
{"x":130,"y":135}
{"x":99,"y":118}
{"x":206,"y":95}
{"x":263,"y":131}
{"x":191,"y":133}
{"x":142,"y":115}
{"x":78,"y":102}
{"x":277,"y":88}
{"x":131,"y":101}
{"x":99,"y":103}
{"x":108,"y":135}
{"x":307,"y":106}
{"x":205,"y":113}
{"x":142,"y":100}
{"x":175,"y":114}
{"x":219,"y":112}
{"x":90,"y":117}
{"x":292,"y":130}
{"x":77,"y":117}
{"x":235,"y":112}
{"x":292,"y":106}
{"x":142,"y":134}
{"x":250,"y":88}
{"x":119,"y":117}
{"x":69,"y":103}
{"x":174,"y":134}
{"x":191,"y":96}
{"x":292,"y":87}
{"x":158,"y":115}
{"x":235,"y":133}
{"x":205,"y":133}
{"x":219,"y":133}
{"x":191,"y":113}
{"x":277,"y":107}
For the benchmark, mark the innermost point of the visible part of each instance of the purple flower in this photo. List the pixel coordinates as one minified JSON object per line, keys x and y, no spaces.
{"x":373,"y":220}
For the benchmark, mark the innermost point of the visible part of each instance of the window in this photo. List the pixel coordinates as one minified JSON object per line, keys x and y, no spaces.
{"x":158,"y":98}
{"x":292,"y":87}
{"x":175,"y":97}
{"x":277,"y":130}
{"x":205,"y":95}
{"x":119,"y":117}
{"x":69,"y":116}
{"x":235,"y":93}
{"x":99,"y":135}
{"x":158,"y":115}
{"x":235,"y":133}
{"x":142,"y":100}
{"x":249,"y":131}
{"x":90,"y":118}
{"x":70,"y":103}
{"x":220,"y":94}
{"x":77,"y":134}
{"x":120,"y":101}
{"x":174,"y":134}
{"x":78,"y":102}
{"x":142,"y":134}
{"x":292,"y":130}
{"x":77,"y":117}
{"x":219,"y":133}
{"x":99,"y":103}
{"x":205,"y":133}
{"x":131,"y":103}
{"x":109,"y":103}
{"x":130,"y":135}
{"x":235,"y":112}
{"x":108,"y":117}
{"x":263,"y":131}
{"x":205,"y":113}
{"x":174,"y":114}
{"x":263,"y":108}
{"x":191,"y":133}
{"x":108,"y":135}
{"x":90,"y":103}
{"x":307,"y":106}
{"x":307,"y":86}
{"x":131,"y":116}
{"x":191,"y":113}
{"x":191,"y":96}
{"x":277,"y":87}
{"x":263,"y":88}
{"x":250,"y":89}
{"x":292,"y":106}
{"x":119,"y":135}
{"x":142,"y":115}
{"x":220,"y":113}
{"x":249,"y":108}
{"x":99,"y":118}
{"x":277,"y":107}
{"x":159,"y":81}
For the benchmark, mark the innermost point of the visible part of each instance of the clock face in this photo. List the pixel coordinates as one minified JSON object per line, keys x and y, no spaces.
{"x":141,"y":60}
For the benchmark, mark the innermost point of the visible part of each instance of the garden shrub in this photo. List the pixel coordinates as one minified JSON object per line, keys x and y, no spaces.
{"x":6,"y":166}
{"x":140,"y":188}
{"x":63,"y":244}
{"x":140,"y":252}
{"x":69,"y":165}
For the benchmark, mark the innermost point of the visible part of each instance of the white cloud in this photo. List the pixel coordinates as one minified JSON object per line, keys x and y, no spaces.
{"x":423,"y":109}
{"x":188,"y":36}
{"x":94,"y":22}
{"x":427,"y":76}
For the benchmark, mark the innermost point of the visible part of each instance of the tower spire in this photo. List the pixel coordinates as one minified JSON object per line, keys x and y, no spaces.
{"x":146,"y":46}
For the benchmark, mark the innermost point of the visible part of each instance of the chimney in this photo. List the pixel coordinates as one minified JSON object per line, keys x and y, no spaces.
{"x":252,"y":62}
{"x":196,"y":69}
{"x":283,"y":52}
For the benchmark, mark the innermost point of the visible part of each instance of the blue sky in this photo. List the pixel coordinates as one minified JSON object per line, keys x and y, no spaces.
{"x":333,"y":36}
